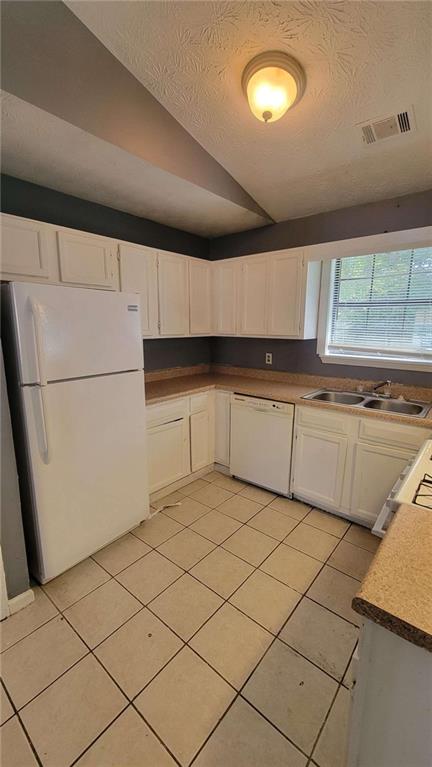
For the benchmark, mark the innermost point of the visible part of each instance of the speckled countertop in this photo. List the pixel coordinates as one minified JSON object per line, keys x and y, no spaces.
{"x":397,"y":590}
{"x":159,"y":391}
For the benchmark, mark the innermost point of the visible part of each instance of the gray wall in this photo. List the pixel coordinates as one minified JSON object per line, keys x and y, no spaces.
{"x":11,"y":526}
{"x":160,"y":353}
{"x":301,"y":357}
{"x":408,"y":212}
{"x":22,"y":198}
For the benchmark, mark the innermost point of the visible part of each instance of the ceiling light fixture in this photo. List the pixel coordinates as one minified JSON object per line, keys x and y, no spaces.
{"x":273,"y":82}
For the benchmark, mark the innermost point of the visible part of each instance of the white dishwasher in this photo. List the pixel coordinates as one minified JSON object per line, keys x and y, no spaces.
{"x":261,"y":441}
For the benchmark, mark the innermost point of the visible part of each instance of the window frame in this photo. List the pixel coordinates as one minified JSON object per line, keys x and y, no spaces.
{"x":373,"y":244}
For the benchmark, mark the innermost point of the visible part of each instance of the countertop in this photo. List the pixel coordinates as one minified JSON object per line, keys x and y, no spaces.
{"x":397,"y":590}
{"x":162,"y":390}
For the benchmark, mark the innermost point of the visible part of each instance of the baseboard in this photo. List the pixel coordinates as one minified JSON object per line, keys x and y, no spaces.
{"x":20,"y":601}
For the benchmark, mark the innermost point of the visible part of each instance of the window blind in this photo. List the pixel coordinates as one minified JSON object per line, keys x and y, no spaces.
{"x":381,"y":306}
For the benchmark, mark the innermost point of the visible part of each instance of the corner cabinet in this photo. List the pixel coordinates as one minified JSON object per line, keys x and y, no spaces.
{"x":253,"y":296}
{"x":173,"y":288}
{"x":200,"y":297}
{"x":225,"y":285}
{"x":138,"y":274}
{"x":278,"y":295}
{"x":222,"y":427}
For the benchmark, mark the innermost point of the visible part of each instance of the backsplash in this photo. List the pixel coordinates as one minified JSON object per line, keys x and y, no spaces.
{"x":161,"y":353}
{"x":297,"y":357}
{"x":301,"y":357}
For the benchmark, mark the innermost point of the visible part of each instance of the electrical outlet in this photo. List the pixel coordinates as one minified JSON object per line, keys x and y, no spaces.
{"x":269,"y":358}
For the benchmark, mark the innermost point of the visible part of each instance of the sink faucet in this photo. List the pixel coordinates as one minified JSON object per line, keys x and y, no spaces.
{"x":386,"y":384}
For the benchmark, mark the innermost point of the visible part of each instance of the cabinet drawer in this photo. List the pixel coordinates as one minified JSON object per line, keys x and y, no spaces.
{"x":391,"y":434}
{"x":166,"y":412}
{"x":323,"y":420}
{"x":199,"y":402}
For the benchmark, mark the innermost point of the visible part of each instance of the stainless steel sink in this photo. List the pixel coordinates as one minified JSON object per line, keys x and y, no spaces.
{"x":398,"y":406}
{"x":338,"y":397}
{"x":372,"y":402}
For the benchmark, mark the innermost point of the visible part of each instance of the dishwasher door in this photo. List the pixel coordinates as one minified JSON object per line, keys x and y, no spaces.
{"x":261,"y":441}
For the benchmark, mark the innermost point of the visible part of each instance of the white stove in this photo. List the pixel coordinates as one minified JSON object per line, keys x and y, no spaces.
{"x":414,"y":486}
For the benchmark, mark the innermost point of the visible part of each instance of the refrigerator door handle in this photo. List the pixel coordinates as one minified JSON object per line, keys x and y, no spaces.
{"x":45,"y":424}
{"x":40,"y":353}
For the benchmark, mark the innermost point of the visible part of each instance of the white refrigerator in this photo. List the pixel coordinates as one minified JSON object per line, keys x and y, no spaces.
{"x":76,"y":366}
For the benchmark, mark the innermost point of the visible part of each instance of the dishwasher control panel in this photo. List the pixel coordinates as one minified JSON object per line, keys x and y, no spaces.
{"x":267,"y":405}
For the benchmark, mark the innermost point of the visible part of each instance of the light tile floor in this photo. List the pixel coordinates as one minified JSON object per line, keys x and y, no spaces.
{"x":220,"y":632}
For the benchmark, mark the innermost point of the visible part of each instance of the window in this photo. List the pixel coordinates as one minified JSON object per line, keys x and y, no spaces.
{"x":380,"y":309}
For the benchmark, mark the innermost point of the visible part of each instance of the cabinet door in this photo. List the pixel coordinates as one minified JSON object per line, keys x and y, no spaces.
{"x":376,"y":469}
{"x":285,"y":294}
{"x":173,"y":295}
{"x":225,"y":298}
{"x":200,"y":440}
{"x":319,"y":467}
{"x":222,"y":427}
{"x":86,"y":260}
{"x":138,"y":274}
{"x":253,"y":296}
{"x":168,"y":451}
{"x":200,"y":295}
{"x":24,"y":252}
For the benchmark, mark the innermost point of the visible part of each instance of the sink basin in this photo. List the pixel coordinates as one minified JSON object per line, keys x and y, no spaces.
{"x":417,"y":409}
{"x":396,"y":406}
{"x":338,"y":397}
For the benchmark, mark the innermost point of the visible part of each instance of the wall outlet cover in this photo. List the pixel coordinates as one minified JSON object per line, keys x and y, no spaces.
{"x":269,"y":358}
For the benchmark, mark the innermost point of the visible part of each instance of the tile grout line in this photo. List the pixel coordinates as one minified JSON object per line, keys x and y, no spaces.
{"x":225,"y":600}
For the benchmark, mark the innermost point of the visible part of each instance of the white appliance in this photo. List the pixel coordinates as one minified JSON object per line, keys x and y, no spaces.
{"x":261,"y":442}
{"x":413,"y":486}
{"x":76,"y":377}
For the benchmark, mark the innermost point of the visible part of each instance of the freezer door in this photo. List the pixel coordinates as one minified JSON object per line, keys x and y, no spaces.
{"x":64,"y":332}
{"x":88,"y":466}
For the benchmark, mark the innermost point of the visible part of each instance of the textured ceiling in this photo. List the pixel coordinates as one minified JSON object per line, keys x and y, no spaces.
{"x":39,"y":147}
{"x":362,"y":60}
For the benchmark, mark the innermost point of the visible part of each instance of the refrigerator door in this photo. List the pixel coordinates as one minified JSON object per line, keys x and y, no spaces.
{"x":65,"y":332}
{"x":88,"y":466}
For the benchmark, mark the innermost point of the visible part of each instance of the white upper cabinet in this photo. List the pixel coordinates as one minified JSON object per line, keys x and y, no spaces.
{"x":173,"y":286}
{"x":285,"y":293}
{"x":24,"y":251}
{"x":253,"y":298}
{"x":277,"y":293}
{"x":138,"y":274}
{"x":225,"y":297}
{"x":200,"y":294}
{"x":87,"y":260}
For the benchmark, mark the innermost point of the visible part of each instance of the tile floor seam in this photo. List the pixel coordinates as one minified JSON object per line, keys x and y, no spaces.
{"x":62,"y":609}
{"x":325,"y":721}
{"x":31,"y":744}
{"x":238,"y":693}
{"x":16,"y":712}
{"x":162,"y":742}
{"x":123,"y":568}
{"x":30,"y":632}
{"x":338,"y":538}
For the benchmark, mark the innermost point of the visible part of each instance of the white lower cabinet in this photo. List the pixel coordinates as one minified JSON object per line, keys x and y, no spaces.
{"x":201,"y":430}
{"x":319,"y":467}
{"x":347,"y":464}
{"x":222,"y":427}
{"x":168,"y":443}
{"x":200,"y":440}
{"x":377,"y":467}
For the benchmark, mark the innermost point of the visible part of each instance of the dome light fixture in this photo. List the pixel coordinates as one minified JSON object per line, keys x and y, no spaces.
{"x":273,"y":82}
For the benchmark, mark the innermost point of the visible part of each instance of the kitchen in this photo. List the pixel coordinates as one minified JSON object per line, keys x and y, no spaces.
{"x":208,"y":409}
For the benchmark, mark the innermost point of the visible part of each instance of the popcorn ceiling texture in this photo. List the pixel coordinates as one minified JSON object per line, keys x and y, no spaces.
{"x":363,"y":60}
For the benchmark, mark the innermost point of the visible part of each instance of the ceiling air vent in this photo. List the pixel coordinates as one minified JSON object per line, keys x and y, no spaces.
{"x":387,"y":127}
